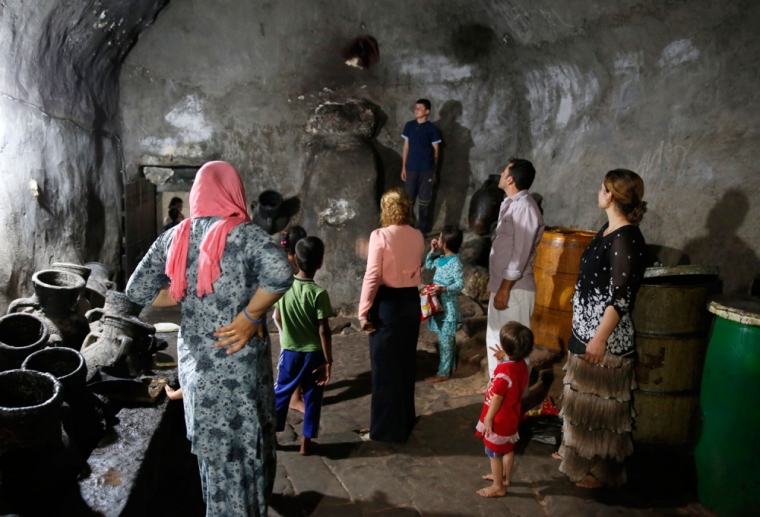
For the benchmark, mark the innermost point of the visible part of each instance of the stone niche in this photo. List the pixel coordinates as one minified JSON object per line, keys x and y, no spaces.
{"x":340,"y":194}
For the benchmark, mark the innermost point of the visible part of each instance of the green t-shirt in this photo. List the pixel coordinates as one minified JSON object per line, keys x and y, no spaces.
{"x":300,"y":310}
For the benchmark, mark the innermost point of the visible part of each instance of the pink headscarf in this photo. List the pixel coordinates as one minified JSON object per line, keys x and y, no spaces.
{"x":217,"y":191}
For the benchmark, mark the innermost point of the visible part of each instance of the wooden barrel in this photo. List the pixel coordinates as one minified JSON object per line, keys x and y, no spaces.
{"x":558,"y":259}
{"x":672,"y":325}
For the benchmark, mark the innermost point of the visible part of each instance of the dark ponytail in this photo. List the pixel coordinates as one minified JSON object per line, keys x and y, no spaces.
{"x":290,"y":237}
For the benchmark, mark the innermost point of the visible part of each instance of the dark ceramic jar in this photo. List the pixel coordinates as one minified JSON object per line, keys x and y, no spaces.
{"x":484,"y":206}
{"x":20,"y":336}
{"x":55,"y":301}
{"x":30,"y":410}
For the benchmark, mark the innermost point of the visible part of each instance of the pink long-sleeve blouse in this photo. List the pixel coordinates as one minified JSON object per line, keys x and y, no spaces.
{"x":394,"y":260}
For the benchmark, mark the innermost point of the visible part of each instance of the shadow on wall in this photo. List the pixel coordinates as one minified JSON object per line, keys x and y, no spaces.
{"x":738,"y":262}
{"x":454,"y":172}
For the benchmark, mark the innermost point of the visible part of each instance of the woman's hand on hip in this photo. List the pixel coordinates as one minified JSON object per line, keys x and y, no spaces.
{"x":238,"y":333}
{"x":595,"y":350}
{"x":366,"y":326}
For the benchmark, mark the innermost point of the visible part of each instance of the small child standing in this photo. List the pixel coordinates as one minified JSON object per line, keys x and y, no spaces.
{"x":288,"y":240}
{"x":449,"y":282}
{"x":306,"y":342}
{"x":503,"y":406}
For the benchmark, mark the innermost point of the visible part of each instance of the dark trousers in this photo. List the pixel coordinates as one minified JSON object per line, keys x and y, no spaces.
{"x":393,"y":354}
{"x":298,"y":368}
{"x":419,"y":184}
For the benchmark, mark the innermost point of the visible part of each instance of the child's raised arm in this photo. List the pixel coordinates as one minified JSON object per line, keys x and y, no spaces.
{"x":325,"y":336}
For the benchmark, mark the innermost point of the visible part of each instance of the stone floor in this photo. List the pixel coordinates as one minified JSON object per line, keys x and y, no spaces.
{"x":437,"y":473}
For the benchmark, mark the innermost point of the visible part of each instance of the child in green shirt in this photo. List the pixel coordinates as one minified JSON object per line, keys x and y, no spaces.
{"x":305,"y":340}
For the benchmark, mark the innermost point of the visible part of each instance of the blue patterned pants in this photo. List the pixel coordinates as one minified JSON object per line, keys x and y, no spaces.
{"x":447,"y":342}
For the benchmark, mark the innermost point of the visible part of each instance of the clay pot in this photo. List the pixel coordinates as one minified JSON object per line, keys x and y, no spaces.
{"x":268,"y":210}
{"x":110,"y":346}
{"x":484,"y":206}
{"x":85,"y":421}
{"x":30,"y":410}
{"x":66,"y":365}
{"x":83,"y":271}
{"x":116,"y":304}
{"x":76,"y":269}
{"x":55,"y":302}
{"x":57,"y":291}
{"x":98,"y":284}
{"x":20,"y":336}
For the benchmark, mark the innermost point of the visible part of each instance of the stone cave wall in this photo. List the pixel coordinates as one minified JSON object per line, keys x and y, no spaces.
{"x":667,"y":89}
{"x":59,"y":71}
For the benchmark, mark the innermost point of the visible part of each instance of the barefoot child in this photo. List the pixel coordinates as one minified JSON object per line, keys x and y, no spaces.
{"x":449,"y":280}
{"x":288,"y":240}
{"x":503,"y":406}
{"x":306,"y":342}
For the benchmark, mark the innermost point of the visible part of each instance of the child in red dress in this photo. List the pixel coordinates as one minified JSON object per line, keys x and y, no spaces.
{"x":503,"y":406}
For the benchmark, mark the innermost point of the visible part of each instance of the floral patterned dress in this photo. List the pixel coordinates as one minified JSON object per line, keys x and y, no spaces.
{"x":448,"y":273}
{"x":228,"y":399}
{"x":611,"y":271}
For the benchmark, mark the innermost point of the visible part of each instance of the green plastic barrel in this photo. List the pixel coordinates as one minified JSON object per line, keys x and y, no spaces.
{"x":728,"y":453}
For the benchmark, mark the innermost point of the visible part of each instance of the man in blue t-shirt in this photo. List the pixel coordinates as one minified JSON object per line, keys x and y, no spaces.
{"x":421,"y":143}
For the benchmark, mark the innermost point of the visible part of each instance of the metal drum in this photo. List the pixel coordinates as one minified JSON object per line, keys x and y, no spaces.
{"x":672,"y":325}
{"x":728,"y":452}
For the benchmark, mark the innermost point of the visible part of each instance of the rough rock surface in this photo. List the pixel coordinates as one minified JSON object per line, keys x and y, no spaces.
{"x":60,"y":151}
{"x":663,"y":88}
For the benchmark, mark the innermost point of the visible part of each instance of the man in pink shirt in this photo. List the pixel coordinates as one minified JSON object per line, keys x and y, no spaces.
{"x":520,"y":228}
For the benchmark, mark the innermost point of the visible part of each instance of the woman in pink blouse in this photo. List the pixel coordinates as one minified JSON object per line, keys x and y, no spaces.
{"x":389,"y":311}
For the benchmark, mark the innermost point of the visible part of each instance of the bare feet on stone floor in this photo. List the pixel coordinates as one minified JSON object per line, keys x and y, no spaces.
{"x":436,"y":378}
{"x":489,"y":477}
{"x":556,"y":456}
{"x":297,"y":405}
{"x":308,"y":447}
{"x":589,"y":482}
{"x":492,"y":491}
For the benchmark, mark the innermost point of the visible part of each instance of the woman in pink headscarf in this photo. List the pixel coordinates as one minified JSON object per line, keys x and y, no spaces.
{"x":224,"y":272}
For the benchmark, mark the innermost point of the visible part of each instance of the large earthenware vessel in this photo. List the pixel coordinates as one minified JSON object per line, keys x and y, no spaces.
{"x":30,"y":410}
{"x":84,"y":422}
{"x":484,"y":206}
{"x":340,"y":197}
{"x":20,"y":335}
{"x":122,"y":342}
{"x":55,"y":301}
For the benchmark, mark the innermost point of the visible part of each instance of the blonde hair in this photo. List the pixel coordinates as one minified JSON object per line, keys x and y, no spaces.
{"x":627,"y":190}
{"x":396,"y":208}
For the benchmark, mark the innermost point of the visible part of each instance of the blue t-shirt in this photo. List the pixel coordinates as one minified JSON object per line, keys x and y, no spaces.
{"x":421,"y":139}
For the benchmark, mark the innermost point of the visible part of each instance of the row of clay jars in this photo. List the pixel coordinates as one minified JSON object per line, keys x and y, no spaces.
{"x":56,"y":302}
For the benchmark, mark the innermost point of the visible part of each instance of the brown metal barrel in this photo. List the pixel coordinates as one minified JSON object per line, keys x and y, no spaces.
{"x":558,"y":259}
{"x":672,"y":326}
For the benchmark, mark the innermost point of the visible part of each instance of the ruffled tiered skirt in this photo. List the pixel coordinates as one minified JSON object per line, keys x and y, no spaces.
{"x":598,"y":414}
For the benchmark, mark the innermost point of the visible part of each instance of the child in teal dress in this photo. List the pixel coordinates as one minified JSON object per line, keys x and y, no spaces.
{"x":449,"y":282}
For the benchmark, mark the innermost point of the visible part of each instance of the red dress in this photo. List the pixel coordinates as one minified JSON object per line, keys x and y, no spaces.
{"x":509,"y":381}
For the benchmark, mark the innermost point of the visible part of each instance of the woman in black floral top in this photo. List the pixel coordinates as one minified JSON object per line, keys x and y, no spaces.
{"x":597,"y":408}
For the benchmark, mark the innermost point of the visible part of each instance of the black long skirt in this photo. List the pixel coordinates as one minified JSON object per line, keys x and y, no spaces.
{"x":395,"y":315}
